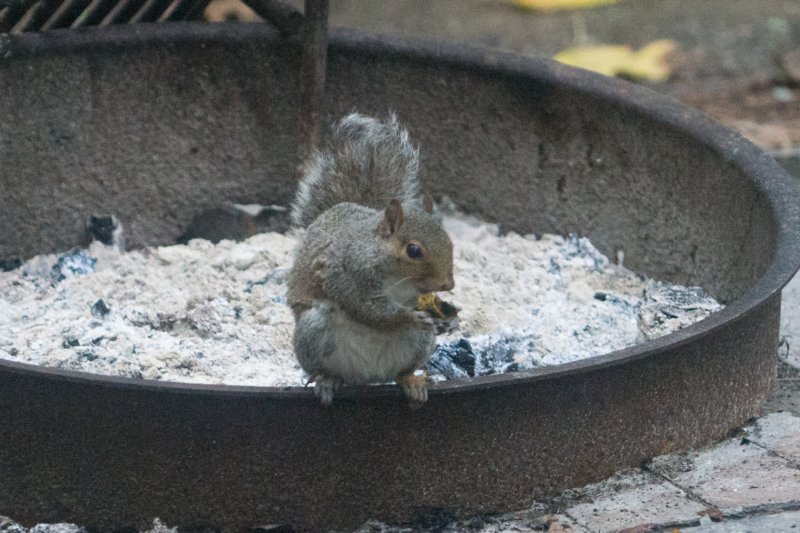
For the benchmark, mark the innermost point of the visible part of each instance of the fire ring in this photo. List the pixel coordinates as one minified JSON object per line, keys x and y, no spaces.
{"x":156,"y":123}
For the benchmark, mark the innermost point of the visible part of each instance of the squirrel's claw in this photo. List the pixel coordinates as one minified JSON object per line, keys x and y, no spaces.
{"x":324,"y":389}
{"x":422,"y":318}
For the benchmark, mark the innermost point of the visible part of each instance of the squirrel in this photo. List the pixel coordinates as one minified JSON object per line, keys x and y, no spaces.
{"x":371,"y":247}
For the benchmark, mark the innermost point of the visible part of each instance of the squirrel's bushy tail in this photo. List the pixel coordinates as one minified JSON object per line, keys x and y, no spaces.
{"x":366,"y":161}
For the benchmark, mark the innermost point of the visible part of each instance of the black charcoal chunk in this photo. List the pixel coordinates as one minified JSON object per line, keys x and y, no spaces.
{"x":73,"y":263}
{"x":70,"y":342}
{"x":105,"y":229}
{"x":100,"y":309}
{"x":453,"y":360}
{"x":7,"y":264}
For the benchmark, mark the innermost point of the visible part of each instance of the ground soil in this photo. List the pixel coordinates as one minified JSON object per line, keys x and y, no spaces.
{"x":738,"y":60}
{"x":786,"y":394}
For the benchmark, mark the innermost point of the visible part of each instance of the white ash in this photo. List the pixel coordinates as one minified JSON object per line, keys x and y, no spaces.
{"x":7,"y":525}
{"x":529,"y":302}
{"x":209,"y":313}
{"x":199,"y":313}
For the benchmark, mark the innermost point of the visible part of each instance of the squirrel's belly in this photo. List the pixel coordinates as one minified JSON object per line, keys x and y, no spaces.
{"x":362,"y":354}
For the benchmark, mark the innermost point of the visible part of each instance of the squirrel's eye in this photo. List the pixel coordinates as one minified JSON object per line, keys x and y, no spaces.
{"x":414,"y":251}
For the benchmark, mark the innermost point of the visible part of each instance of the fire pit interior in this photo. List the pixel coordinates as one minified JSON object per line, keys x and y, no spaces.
{"x":218,"y":313}
{"x":157,"y":124}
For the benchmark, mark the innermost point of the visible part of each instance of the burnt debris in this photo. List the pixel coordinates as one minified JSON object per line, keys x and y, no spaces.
{"x":76,"y":262}
{"x":100,"y":309}
{"x":7,"y":264}
{"x":106,"y":229}
{"x":459,"y":359}
{"x":453,"y":360}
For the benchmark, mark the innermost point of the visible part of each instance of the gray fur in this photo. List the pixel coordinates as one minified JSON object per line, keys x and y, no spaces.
{"x":329,"y":343}
{"x":366,"y":161}
{"x":352,"y":288}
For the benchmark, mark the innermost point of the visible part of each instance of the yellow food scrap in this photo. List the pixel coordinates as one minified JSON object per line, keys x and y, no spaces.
{"x":435,"y":306}
{"x":647,"y":63}
{"x":427,"y":302}
{"x":561,"y":5}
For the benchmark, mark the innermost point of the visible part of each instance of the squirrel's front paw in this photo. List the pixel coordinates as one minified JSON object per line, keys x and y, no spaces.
{"x":446,"y":325}
{"x":415,"y":388}
{"x":423,"y":319}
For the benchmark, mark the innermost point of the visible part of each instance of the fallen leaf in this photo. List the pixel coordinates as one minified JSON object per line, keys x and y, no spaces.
{"x":647,"y":63}
{"x":602,"y":59}
{"x":561,"y":5}
{"x":223,"y":10}
{"x":714,"y":514}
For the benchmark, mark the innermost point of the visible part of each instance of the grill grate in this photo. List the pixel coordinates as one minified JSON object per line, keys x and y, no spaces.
{"x":41,"y":15}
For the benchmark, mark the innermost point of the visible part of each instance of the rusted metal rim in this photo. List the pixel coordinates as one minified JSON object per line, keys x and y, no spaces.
{"x":768,"y":177}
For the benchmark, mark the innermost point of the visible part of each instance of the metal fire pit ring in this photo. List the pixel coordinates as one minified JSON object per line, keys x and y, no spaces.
{"x":158,"y":122}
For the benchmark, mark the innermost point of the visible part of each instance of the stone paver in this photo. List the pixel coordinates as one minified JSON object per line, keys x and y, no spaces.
{"x":631,"y":498}
{"x":769,"y":523}
{"x":780,"y":433}
{"x":524,"y":522}
{"x":733,"y":476}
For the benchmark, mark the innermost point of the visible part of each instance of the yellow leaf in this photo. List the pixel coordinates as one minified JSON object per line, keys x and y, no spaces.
{"x":647,"y":63}
{"x":560,"y":5}
{"x":602,"y":59}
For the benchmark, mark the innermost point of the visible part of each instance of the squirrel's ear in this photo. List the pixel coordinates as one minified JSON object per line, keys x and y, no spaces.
{"x":392,"y":219}
{"x":427,"y":203}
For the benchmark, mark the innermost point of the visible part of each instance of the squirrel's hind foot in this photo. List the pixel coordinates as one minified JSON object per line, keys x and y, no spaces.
{"x":415,"y":388}
{"x":324,"y":388}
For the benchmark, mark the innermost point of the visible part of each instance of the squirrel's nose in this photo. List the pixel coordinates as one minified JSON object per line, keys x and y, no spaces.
{"x":448,"y":285}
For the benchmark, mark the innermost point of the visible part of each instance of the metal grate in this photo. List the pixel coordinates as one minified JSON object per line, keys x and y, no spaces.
{"x":41,"y":15}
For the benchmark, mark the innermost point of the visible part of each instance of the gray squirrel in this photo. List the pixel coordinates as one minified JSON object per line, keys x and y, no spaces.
{"x":372,"y":246}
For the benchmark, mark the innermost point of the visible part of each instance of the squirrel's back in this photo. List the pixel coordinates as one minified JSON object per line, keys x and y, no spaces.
{"x":366,"y":161}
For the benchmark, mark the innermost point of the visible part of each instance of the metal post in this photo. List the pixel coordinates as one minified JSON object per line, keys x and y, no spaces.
{"x":312,"y":75}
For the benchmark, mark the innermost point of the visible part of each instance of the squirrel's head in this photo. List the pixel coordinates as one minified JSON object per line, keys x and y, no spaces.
{"x":420,"y":249}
